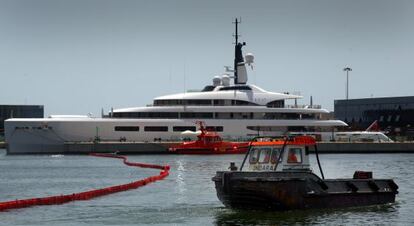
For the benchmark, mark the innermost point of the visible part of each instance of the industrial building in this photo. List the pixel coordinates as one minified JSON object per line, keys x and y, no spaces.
{"x":395,"y":115}
{"x":19,"y":111}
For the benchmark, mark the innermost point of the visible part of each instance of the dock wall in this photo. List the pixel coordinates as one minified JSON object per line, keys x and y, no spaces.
{"x":120,"y":147}
{"x":162,"y":148}
{"x":345,"y":147}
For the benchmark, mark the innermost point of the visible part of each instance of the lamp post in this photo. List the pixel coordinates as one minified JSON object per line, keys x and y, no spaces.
{"x":347,"y":69}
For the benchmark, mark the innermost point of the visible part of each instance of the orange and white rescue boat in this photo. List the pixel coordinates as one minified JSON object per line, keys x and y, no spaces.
{"x":208,"y":143}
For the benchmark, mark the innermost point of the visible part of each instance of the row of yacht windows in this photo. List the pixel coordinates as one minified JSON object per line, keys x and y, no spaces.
{"x":226,"y":88}
{"x":213,"y":115}
{"x":180,"y":102}
{"x":165,"y":128}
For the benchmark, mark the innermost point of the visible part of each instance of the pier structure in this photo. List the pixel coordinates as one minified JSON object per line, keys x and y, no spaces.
{"x":161,"y":147}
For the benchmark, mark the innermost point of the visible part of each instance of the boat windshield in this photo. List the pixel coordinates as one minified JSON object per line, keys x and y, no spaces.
{"x":271,"y":154}
{"x":263,"y":158}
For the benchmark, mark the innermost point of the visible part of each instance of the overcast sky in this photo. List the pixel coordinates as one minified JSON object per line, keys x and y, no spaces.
{"x":78,"y":56}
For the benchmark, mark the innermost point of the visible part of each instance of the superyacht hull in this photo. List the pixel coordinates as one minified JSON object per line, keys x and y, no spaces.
{"x":49,"y":135}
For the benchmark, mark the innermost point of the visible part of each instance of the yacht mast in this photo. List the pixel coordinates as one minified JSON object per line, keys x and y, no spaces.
{"x":238,"y":55}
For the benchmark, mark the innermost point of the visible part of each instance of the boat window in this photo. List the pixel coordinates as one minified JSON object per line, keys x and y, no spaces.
{"x":145,"y":115}
{"x":276,"y":104}
{"x":208,"y":88}
{"x":276,"y":115}
{"x":275,"y":155}
{"x":214,"y":128}
{"x":175,"y":102}
{"x":127,"y":128}
{"x":184,"y":128}
{"x":235,"y":88}
{"x":202,"y":102}
{"x":294,"y":155}
{"x":196,"y":115}
{"x":264,"y":155}
{"x":254,"y":155}
{"x":156,"y":128}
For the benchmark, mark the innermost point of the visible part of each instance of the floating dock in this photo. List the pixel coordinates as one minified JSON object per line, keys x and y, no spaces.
{"x":162,"y":148}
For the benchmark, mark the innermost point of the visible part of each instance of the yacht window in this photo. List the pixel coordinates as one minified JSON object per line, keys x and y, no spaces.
{"x":196,"y":115}
{"x":181,"y":102}
{"x":294,"y":155}
{"x":264,"y":155}
{"x":203,"y":102}
{"x":156,"y":128}
{"x":254,"y":155}
{"x":273,"y":115}
{"x":214,"y":128}
{"x":127,"y":128}
{"x":145,"y":115}
{"x":197,"y":102}
{"x":184,"y":128}
{"x":276,"y":104}
{"x":208,"y":88}
{"x":275,"y":155}
{"x":235,"y":88}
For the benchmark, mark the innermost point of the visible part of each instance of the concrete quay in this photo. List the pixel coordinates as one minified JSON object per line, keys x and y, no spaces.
{"x":119,"y":147}
{"x":162,"y":148}
{"x":365,"y":147}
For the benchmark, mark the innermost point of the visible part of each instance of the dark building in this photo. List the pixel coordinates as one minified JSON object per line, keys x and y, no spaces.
{"x":19,"y":111}
{"x":394,"y":114}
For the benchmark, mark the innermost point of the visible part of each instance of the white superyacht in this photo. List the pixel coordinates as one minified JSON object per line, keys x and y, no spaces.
{"x":230,"y":106}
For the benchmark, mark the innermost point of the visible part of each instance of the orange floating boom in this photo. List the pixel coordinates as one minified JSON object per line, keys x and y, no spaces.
{"x":60,"y":199}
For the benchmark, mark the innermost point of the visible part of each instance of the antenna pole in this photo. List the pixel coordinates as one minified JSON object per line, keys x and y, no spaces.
{"x":237,"y":33}
{"x":238,"y":56}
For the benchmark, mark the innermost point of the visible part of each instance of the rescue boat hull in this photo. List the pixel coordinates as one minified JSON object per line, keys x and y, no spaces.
{"x":209,"y":151}
{"x":216,"y":148}
{"x":299,"y":190}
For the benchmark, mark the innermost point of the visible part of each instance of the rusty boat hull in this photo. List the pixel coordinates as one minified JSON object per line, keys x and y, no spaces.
{"x":299,"y":190}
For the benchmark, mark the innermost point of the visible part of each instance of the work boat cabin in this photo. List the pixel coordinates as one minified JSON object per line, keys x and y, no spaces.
{"x":279,"y":154}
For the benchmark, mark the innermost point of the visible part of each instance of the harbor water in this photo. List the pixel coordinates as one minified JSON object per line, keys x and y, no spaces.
{"x":187,"y":196}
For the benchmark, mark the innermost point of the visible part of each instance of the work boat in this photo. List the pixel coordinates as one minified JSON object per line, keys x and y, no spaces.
{"x":276,"y":174}
{"x":208,"y":143}
{"x":230,"y":106}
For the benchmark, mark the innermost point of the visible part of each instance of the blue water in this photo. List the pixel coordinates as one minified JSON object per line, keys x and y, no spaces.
{"x":186,"y":197}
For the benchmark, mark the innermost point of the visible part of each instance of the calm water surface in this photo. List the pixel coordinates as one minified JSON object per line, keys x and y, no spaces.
{"x":186,"y":197}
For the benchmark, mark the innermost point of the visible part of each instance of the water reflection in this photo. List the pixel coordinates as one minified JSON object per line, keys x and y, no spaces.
{"x":356,"y":216}
{"x":3,"y":153}
{"x":180,"y":181}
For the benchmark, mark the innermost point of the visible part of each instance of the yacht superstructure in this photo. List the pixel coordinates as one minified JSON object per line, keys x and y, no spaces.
{"x":237,"y":111}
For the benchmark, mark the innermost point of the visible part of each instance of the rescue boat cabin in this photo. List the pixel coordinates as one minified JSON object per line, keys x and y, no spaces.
{"x":279,"y":154}
{"x":208,"y":136}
